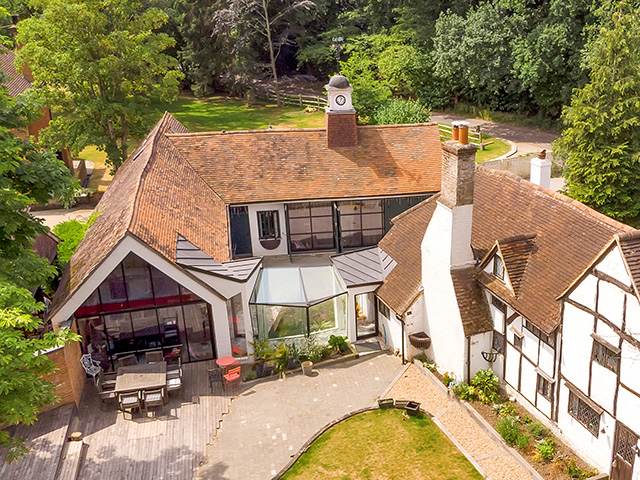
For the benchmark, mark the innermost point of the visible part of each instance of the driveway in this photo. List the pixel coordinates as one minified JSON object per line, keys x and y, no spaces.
{"x":527,"y":139}
{"x":270,"y":421}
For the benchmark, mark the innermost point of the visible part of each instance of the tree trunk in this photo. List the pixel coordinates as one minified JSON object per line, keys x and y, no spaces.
{"x":271,"y":54}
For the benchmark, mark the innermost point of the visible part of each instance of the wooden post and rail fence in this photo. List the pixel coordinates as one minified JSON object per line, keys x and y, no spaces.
{"x":296,"y":100}
{"x":475,"y":137}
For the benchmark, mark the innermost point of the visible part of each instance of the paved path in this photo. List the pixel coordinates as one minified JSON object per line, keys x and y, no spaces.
{"x":486,"y":450}
{"x":53,"y":217}
{"x":527,"y":139}
{"x":271,"y":421}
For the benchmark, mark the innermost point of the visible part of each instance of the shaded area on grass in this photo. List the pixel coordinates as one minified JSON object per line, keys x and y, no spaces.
{"x":380,"y":444}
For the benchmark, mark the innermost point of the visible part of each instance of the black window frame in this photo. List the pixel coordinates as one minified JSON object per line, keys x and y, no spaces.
{"x":342,"y":205}
{"x":548,"y":339}
{"x":498,"y":342}
{"x":581,"y":411}
{"x":544,"y":387}
{"x":517,"y":342}
{"x":604,"y":356}
{"x":268,"y":220}
{"x":312,"y":232}
{"x":498,"y":272}
{"x":499,"y":304}
{"x":383,"y":309}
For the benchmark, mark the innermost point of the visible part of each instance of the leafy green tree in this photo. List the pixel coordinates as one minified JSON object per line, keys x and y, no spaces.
{"x":600,"y":143}
{"x":102,"y":66}
{"x":71,"y":233}
{"x":27,"y":175}
{"x":398,"y":111}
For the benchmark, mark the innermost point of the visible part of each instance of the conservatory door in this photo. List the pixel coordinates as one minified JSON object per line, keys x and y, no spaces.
{"x":366,"y":315}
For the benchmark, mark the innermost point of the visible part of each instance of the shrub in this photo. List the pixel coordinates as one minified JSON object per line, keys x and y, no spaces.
{"x":448,"y":378}
{"x":338,"y":343}
{"x":537,"y":430}
{"x":522,"y":441}
{"x":422,"y":358}
{"x":465,"y":391}
{"x":506,"y":409}
{"x":574,"y":471}
{"x":545,"y":448}
{"x":430,"y":365}
{"x":486,"y":384}
{"x":71,"y":233}
{"x":397,"y":111}
{"x":509,"y":428}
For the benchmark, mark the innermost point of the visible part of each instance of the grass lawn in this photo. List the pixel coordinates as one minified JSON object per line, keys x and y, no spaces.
{"x":380,"y":445}
{"x":497,"y":148}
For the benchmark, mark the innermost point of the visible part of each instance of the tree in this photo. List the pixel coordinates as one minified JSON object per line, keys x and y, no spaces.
{"x":600,"y":143}
{"x":102,"y":67}
{"x":398,"y":111}
{"x":71,"y":234}
{"x":27,"y":175}
{"x":263,"y":17}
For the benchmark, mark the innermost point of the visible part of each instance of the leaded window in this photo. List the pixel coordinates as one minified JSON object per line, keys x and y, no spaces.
{"x":604,"y":356}
{"x":626,"y":446}
{"x":498,"y":341}
{"x":548,"y":339}
{"x":545,"y":387}
{"x":498,"y":267}
{"x":582,"y":412}
{"x":499,"y":304}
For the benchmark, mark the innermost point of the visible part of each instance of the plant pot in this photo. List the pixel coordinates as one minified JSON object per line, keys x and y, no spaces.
{"x":384,"y":403}
{"x":307,"y":368}
{"x":412,"y":408}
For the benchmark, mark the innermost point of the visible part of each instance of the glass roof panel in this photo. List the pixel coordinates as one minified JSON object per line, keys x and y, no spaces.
{"x":321,"y":282}
{"x":279,"y":286}
{"x":284,"y":285}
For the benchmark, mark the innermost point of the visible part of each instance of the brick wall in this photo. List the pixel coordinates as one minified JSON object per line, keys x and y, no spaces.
{"x":43,"y":122}
{"x":69,"y":376}
{"x":342,"y":130}
{"x":458,"y":167}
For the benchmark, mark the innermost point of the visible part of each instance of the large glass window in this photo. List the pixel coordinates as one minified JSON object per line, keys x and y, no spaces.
{"x":138,"y":280}
{"x":311,"y":226}
{"x":268,"y":225}
{"x":113,"y":292}
{"x":361,"y":223}
{"x":235,"y":313}
{"x":296,"y":301}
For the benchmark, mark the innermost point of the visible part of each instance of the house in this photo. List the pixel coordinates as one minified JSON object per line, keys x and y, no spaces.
{"x":208,"y":242}
{"x":599,"y":386}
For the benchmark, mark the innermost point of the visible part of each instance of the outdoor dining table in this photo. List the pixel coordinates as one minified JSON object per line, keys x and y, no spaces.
{"x":226,"y":362}
{"x":135,"y":378}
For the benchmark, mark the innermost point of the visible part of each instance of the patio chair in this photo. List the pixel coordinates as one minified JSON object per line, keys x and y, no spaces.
{"x":174,"y":369}
{"x":129,"y":401}
{"x":127,"y":360}
{"x":91,"y":366}
{"x":153,"y":399}
{"x":236,"y":351}
{"x":153,"y":357}
{"x":215,"y":377}
{"x":174,"y":385}
{"x":106,"y":389}
{"x":232,"y":380}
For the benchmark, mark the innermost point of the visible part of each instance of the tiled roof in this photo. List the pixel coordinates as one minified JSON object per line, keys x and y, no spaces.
{"x":149,"y":198}
{"x":630,"y":247}
{"x":296,"y":164}
{"x":516,"y":252}
{"x":17,"y":82}
{"x":472,"y":304}
{"x":402,"y":286}
{"x":569,"y":235}
{"x":46,"y":246}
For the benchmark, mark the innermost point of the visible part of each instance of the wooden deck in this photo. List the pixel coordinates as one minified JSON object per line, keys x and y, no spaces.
{"x":45,"y":439}
{"x":171,"y":446}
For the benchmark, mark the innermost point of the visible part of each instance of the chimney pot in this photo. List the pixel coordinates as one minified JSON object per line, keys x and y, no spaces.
{"x":455,"y":133}
{"x":542,"y":154}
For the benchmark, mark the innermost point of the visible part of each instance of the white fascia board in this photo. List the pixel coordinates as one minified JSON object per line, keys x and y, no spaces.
{"x":130,"y":244}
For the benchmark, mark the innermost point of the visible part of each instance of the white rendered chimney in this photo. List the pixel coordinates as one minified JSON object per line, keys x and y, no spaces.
{"x":541,"y":170}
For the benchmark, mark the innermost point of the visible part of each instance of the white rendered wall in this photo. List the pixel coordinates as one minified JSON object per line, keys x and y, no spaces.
{"x":528,"y":381}
{"x":513,"y":367}
{"x":577,"y":327}
{"x":632,"y":318}
{"x":546,"y":360}
{"x":480,"y":342}
{"x":585,"y":292}
{"x":351,"y":308}
{"x":259,"y":250}
{"x":439,"y":246}
{"x":630,"y":367}
{"x":611,"y":303}
{"x":613,"y":265}
{"x":391,"y":331}
{"x":596,"y":449}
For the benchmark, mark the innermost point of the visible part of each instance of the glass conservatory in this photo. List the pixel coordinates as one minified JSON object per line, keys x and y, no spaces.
{"x":298,"y":301}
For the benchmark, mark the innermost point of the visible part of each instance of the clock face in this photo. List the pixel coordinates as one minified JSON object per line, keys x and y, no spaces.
{"x":341,"y":100}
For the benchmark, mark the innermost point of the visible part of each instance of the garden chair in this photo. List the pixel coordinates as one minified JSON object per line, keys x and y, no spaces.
{"x":127,"y":360}
{"x":106,"y":389}
{"x":153,"y":399}
{"x":236,"y":351}
{"x":91,"y":366}
{"x":153,"y":357}
{"x":129,"y":401}
{"x":174,"y":385}
{"x":232,"y":380}
{"x":174,"y":369}
{"x":215,"y":377}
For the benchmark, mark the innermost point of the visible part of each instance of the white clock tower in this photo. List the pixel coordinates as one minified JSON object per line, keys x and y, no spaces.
{"x":342,"y":130}
{"x":339,"y":92}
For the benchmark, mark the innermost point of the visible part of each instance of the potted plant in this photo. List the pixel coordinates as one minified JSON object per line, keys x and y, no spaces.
{"x":264,"y":354}
{"x":385,"y":403}
{"x":412,"y":408}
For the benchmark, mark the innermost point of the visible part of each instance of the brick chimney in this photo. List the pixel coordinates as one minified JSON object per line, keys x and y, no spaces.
{"x":541,"y":170}
{"x":340,"y":116}
{"x":458,"y":168}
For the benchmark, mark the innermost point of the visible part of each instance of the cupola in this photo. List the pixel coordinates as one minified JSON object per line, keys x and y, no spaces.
{"x":340,"y":115}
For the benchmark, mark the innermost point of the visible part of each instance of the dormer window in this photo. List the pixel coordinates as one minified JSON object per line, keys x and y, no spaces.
{"x":498,"y":267}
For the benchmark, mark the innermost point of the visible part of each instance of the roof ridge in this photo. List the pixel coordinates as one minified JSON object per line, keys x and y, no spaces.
{"x":289,"y":130}
{"x":415,"y":207}
{"x":517,"y":238}
{"x":559,"y":197}
{"x":152,"y":153}
{"x":628,"y":236}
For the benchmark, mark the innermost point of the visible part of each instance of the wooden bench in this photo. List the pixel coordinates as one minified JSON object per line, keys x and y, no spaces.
{"x":70,"y":464}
